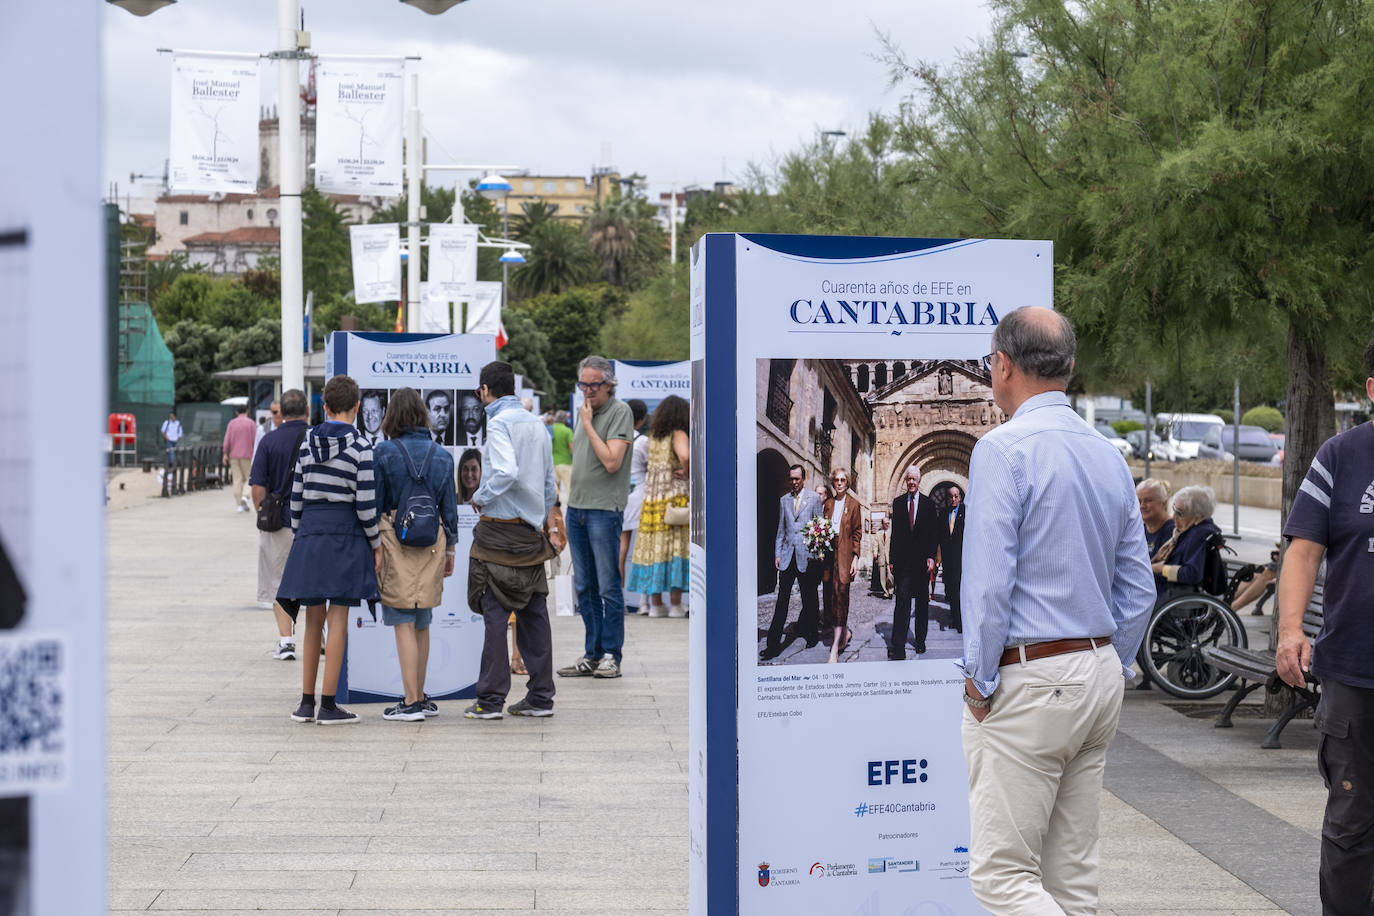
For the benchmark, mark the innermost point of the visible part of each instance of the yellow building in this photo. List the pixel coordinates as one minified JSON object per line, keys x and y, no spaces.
{"x":573,"y":195}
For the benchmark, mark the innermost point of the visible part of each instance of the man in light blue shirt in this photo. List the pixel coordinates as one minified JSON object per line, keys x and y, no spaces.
{"x":509,"y":547}
{"x":1055,"y":603}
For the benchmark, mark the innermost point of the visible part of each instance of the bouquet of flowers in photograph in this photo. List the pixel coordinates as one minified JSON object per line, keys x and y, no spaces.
{"x":819,"y":535}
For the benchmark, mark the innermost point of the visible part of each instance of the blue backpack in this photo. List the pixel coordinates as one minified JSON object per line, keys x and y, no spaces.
{"x":417,"y":514}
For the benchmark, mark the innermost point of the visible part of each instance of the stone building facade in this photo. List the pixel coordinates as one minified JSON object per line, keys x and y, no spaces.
{"x":928,"y":413}
{"x":808,"y":412}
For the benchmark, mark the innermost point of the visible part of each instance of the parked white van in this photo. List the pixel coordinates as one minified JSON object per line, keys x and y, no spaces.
{"x":1180,"y":434}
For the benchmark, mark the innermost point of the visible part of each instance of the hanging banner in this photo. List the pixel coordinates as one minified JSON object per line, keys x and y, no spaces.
{"x":376,"y":262}
{"x":214,"y":144}
{"x":435,"y":314}
{"x":444,"y":369}
{"x":484,"y":311}
{"x":358,"y":128}
{"x":867,"y":355}
{"x":453,"y":261}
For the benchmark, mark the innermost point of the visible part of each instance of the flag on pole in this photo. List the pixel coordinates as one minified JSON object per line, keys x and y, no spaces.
{"x":501,"y":339}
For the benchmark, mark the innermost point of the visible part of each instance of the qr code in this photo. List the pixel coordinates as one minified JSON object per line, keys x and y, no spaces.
{"x":31,"y":697}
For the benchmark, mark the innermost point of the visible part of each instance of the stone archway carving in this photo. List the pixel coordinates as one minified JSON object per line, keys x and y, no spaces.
{"x":942,"y":454}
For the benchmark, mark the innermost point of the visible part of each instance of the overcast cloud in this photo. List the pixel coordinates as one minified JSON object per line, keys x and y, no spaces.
{"x":690,"y":93}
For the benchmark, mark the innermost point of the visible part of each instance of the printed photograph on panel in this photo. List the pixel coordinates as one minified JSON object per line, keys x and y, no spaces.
{"x":439,"y":403}
{"x":370,"y":412}
{"x":470,"y":421}
{"x":861,"y":468}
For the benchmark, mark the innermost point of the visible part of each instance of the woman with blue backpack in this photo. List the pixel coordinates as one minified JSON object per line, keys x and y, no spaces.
{"x":419,"y":530}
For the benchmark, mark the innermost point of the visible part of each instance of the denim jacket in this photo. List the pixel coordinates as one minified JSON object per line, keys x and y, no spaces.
{"x":389,"y":468}
{"x":517,"y":465}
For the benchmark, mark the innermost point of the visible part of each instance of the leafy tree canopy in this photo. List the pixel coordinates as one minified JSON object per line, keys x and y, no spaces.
{"x":572,"y":321}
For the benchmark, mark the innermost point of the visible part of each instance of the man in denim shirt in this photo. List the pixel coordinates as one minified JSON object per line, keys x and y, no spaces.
{"x":506,"y":565}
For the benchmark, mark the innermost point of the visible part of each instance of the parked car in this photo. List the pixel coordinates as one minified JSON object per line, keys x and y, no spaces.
{"x":1160,"y":449}
{"x":1182,"y":433}
{"x":1277,"y":439}
{"x":1255,"y":444}
{"x":1105,"y":430}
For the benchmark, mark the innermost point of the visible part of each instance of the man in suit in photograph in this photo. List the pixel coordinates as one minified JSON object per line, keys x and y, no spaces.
{"x":952,"y":554}
{"x":915,"y":542}
{"x":794,"y":564}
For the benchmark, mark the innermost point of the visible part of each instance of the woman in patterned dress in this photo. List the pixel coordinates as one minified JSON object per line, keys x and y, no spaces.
{"x":660,"y":559}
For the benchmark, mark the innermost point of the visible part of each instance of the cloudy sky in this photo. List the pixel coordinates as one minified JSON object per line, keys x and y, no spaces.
{"x":690,"y":93}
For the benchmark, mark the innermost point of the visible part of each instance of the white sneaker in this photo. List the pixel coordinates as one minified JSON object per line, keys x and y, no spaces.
{"x":608,"y":667}
{"x":286,"y":651}
{"x":241,"y":508}
{"x":657,"y":610}
{"x":676,"y":610}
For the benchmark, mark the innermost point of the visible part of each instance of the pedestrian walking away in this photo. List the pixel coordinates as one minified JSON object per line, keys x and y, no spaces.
{"x":1055,"y":601}
{"x":413,"y":475}
{"x":515,"y":535}
{"x":659,"y":563}
{"x":1333,"y":520}
{"x":332,"y":564}
{"x":274,"y":466}
{"x":240,"y":435}
{"x":598,"y":492}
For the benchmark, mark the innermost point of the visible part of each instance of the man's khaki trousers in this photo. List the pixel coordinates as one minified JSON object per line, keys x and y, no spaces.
{"x":1035,"y":767}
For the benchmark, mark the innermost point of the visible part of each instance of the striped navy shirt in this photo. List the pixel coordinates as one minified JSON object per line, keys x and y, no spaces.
{"x":335,"y":465}
{"x":1054,"y":547}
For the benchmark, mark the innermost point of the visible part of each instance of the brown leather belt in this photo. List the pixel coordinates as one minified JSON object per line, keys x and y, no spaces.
{"x":1036,"y":650}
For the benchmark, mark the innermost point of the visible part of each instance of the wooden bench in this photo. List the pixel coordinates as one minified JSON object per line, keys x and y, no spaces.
{"x":1257,"y":668}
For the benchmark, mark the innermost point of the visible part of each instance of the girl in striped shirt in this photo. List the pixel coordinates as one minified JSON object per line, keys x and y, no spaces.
{"x":332,"y":562}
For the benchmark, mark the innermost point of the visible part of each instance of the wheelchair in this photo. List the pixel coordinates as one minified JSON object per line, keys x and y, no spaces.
{"x":1187,"y":621}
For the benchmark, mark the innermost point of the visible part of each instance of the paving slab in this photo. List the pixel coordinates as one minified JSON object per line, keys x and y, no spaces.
{"x":219,"y":804}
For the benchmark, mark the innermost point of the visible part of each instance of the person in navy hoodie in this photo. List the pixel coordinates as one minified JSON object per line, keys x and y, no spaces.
{"x":332,"y":562}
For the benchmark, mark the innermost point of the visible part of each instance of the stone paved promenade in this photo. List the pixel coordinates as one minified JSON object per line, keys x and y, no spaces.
{"x":219,"y":803}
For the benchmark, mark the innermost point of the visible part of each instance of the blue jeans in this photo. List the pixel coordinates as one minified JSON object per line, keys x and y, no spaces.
{"x":594,"y":540}
{"x":171,"y":454}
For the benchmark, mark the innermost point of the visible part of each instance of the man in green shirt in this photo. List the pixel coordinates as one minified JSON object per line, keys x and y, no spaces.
{"x":562,"y":454}
{"x":600,"y":485}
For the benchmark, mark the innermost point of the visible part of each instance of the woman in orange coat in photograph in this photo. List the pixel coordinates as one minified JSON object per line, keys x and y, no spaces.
{"x":847,"y":518}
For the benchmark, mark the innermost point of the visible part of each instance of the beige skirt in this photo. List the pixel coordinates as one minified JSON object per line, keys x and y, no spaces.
{"x":411,"y":577}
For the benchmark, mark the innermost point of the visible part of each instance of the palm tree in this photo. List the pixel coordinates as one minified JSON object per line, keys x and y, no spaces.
{"x":533,"y":214}
{"x":559,"y":259}
{"x":612,"y":230}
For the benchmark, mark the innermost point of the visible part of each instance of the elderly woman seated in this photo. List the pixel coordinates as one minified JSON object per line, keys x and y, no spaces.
{"x":1182,"y":559}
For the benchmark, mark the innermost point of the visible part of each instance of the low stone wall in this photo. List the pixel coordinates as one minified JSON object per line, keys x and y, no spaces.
{"x":1259,"y":492}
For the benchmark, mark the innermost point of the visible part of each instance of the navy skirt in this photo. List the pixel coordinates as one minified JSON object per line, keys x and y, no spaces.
{"x":330,"y":561}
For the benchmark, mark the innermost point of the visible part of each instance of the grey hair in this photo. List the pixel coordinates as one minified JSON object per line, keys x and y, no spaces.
{"x":602,"y":365}
{"x":293,"y":404}
{"x":909,"y":468}
{"x":1160,"y":488}
{"x":1194,"y":502}
{"x":1036,"y":350}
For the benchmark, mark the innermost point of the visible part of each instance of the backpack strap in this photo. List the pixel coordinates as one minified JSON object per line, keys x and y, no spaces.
{"x":295,"y":458}
{"x":417,"y":476}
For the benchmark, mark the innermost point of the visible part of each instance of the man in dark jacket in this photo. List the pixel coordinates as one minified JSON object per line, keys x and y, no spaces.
{"x":915,"y":541}
{"x":952,"y":554}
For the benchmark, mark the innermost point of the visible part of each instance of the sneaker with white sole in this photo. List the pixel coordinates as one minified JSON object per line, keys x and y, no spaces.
{"x":583,"y":667}
{"x":657,"y":610}
{"x":304,"y":713}
{"x":402,"y":712}
{"x":677,"y":610}
{"x":286,"y":651}
{"x":478,"y":711}
{"x":609,"y":667}
{"x":430,"y":707}
{"x":335,"y":715}
{"x":523,"y":708}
